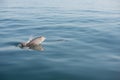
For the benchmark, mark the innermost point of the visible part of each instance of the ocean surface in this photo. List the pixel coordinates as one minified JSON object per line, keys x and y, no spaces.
{"x":82,"y":39}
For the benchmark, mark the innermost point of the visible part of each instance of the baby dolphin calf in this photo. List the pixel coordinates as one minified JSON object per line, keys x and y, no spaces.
{"x":33,"y":43}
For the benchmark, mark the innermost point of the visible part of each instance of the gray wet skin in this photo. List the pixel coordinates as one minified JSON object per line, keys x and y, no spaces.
{"x":34,"y":43}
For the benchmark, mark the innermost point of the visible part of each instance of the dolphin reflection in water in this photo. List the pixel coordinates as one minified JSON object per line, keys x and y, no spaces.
{"x":34,"y":44}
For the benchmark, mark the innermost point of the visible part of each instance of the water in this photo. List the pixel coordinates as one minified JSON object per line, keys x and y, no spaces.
{"x":82,"y":41}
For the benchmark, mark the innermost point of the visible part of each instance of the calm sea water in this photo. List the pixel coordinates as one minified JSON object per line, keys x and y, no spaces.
{"x":82,"y":43}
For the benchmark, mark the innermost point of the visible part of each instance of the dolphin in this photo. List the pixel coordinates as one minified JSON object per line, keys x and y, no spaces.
{"x":33,"y":43}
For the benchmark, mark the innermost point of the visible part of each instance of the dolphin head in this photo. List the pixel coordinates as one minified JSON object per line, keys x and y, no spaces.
{"x":42,"y":39}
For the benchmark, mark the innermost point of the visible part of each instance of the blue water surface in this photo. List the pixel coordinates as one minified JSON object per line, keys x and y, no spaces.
{"x":82,"y":39}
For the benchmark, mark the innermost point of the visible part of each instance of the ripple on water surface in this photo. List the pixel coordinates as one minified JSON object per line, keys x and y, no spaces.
{"x":80,"y":44}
